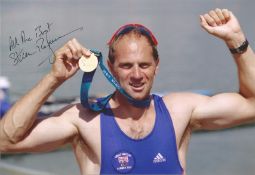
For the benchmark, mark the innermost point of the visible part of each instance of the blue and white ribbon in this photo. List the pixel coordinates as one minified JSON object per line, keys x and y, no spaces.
{"x":100,"y":104}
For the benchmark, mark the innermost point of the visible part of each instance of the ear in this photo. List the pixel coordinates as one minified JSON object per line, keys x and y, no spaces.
{"x":110,"y":65}
{"x":157,"y":66}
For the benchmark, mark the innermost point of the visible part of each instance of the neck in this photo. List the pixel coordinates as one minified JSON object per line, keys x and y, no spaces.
{"x":125,"y":109}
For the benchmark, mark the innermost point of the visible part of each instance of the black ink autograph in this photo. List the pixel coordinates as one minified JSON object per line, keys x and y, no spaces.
{"x":52,"y":41}
{"x":41,"y":41}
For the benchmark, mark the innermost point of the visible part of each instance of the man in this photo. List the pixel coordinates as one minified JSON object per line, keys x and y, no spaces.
{"x":124,"y":138}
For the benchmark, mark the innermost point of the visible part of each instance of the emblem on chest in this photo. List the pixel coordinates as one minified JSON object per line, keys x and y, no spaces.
{"x":123,"y":162}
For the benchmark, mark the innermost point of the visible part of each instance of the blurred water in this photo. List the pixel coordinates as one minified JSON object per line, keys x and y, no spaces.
{"x":190,"y":59}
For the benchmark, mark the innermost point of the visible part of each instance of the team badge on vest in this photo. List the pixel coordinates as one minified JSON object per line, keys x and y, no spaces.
{"x":123,"y":162}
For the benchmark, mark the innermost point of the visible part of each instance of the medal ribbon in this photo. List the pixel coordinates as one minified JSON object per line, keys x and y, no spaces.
{"x":101,"y":102}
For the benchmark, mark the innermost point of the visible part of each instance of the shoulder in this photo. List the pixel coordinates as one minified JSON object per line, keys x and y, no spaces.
{"x":182,"y":104}
{"x":88,"y":124}
{"x":80,"y":112}
{"x":184,"y":98}
{"x":76,"y":113}
{"x":85,"y":120}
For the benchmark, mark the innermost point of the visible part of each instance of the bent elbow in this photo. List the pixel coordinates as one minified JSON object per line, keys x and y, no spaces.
{"x":8,"y":140}
{"x":13,"y":139}
{"x":5,"y":146}
{"x":3,"y":149}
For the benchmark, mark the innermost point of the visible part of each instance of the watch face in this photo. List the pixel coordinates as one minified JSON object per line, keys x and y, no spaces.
{"x":238,"y":50}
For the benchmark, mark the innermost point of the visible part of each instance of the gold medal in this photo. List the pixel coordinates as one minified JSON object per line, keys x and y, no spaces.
{"x":88,"y":64}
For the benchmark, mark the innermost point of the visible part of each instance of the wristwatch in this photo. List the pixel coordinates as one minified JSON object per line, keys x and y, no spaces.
{"x":241,"y":49}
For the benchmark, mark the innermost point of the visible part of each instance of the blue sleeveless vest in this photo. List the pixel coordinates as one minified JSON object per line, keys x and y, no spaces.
{"x":154,"y":154}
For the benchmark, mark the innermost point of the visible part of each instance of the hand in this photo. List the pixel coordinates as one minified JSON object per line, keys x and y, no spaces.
{"x":66,"y":60}
{"x":223,"y":24}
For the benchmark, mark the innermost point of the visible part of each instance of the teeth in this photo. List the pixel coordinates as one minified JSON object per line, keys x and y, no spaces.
{"x":136,"y":85}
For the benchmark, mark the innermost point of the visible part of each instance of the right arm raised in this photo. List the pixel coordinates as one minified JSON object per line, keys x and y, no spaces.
{"x":19,"y":120}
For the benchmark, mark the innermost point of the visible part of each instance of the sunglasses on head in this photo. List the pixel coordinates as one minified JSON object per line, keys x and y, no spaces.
{"x":129,"y":27}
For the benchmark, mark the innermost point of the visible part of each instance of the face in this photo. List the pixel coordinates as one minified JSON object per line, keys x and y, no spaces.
{"x":134,"y":66}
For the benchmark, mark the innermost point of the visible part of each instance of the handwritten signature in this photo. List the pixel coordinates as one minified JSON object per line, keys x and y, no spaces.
{"x":40,"y":39}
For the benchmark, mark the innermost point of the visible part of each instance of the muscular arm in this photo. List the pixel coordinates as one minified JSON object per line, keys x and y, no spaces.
{"x":47,"y":134}
{"x":23,"y":114}
{"x":19,"y":124}
{"x":228,"y":109}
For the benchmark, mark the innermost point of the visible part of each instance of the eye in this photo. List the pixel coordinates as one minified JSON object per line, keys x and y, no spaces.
{"x":144,"y":65}
{"x":126,"y":65}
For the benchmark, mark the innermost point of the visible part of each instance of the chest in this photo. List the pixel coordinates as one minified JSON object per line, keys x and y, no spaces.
{"x":136,"y":129}
{"x":155,"y":152}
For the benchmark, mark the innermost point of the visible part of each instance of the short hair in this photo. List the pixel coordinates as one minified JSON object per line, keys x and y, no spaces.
{"x":136,"y":29}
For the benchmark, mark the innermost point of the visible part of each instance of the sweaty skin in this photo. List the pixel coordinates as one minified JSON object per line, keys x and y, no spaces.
{"x":135,"y":69}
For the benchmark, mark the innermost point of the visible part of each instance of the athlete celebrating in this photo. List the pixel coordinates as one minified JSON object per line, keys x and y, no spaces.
{"x":131,"y":131}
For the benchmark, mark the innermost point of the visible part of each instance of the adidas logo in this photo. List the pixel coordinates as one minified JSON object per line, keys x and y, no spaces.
{"x":159,"y":158}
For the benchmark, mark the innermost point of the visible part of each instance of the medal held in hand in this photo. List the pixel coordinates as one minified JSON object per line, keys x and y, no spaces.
{"x":88,"y":64}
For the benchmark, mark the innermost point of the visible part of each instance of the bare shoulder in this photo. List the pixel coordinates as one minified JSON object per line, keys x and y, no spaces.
{"x":77,"y":115}
{"x":184,"y":98}
{"x":86,"y":120}
{"x":88,"y":124}
{"x":181,"y":106}
{"x":77,"y":112}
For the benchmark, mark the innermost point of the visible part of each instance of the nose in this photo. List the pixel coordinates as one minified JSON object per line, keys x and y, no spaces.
{"x":136,"y":73}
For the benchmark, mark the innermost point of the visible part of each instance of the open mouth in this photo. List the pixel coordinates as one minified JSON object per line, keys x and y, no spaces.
{"x":137,"y":86}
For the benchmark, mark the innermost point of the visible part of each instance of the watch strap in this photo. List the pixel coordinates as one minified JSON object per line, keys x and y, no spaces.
{"x":241,"y":49}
